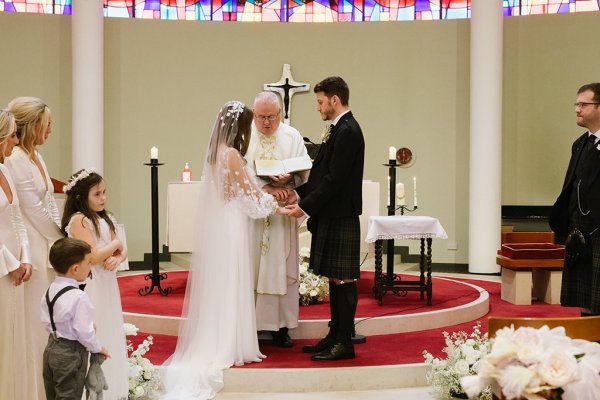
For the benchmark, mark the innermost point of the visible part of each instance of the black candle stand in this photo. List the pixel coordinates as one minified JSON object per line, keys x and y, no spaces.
{"x":156,"y":276}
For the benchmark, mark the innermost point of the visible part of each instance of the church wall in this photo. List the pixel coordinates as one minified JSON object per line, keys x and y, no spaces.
{"x":409,"y":81}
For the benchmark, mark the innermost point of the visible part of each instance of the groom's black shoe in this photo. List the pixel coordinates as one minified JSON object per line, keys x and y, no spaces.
{"x":281,"y":338}
{"x":339,"y":351}
{"x":324,"y":344}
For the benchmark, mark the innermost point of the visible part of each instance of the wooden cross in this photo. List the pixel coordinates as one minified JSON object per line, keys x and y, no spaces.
{"x":286,"y":88}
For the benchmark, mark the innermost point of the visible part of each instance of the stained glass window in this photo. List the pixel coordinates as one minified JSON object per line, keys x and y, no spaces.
{"x":300,"y":10}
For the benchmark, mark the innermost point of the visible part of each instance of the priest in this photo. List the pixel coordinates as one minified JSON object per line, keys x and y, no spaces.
{"x":276,"y":237}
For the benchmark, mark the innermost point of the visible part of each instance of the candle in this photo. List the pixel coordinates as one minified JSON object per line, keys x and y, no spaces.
{"x":388,"y":191}
{"x":400,"y":199}
{"x":392,"y":153}
{"x":415,"y":189}
{"x":154,"y":153}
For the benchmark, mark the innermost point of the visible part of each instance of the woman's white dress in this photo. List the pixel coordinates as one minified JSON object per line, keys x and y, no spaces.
{"x":41,"y":219}
{"x":219,"y":329}
{"x":14,"y":250}
{"x":103,"y":290}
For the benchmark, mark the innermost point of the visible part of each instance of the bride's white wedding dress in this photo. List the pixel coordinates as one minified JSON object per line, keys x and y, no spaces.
{"x":219,"y":326}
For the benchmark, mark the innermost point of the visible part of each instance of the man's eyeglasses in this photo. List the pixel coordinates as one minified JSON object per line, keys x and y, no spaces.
{"x":263,"y":118}
{"x":583,"y":104}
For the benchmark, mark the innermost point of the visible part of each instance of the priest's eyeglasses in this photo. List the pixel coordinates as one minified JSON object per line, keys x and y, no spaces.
{"x":583,"y":104}
{"x":263,"y":118}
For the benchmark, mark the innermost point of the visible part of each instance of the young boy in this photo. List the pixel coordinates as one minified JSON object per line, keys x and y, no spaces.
{"x":68,"y":315}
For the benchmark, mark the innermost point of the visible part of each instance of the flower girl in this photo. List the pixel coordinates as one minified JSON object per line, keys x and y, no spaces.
{"x":86,"y":218}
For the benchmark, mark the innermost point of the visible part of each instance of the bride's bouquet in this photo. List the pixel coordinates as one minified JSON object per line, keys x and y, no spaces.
{"x":144,"y":378}
{"x":538,"y":364}
{"x":313,"y":289}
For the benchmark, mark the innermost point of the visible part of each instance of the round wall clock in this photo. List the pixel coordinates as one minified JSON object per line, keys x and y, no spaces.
{"x":404,"y":156}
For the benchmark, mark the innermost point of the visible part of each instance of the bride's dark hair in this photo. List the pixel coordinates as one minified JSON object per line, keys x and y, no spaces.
{"x":242,"y":140}
{"x":77,"y":201}
{"x":231,"y":129}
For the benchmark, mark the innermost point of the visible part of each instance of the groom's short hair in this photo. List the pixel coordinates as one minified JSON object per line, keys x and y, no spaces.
{"x":334,"y":86}
{"x":594,"y":87}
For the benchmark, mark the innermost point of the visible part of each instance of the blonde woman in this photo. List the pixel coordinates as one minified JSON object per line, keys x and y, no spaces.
{"x":15,"y":268}
{"x":40,"y":214}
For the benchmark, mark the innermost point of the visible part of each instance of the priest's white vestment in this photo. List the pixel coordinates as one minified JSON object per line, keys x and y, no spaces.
{"x":275,"y":238}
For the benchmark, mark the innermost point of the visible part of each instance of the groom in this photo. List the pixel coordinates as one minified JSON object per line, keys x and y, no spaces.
{"x":332,"y":199}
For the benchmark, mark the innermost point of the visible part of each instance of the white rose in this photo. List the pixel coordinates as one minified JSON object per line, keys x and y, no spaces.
{"x":302,"y":289}
{"x":473,"y":357}
{"x":558,"y":368}
{"x":313,"y":293}
{"x":304,"y":252}
{"x":139,"y":391}
{"x":149,"y":367}
{"x":303,"y":268}
{"x":461,"y":368}
{"x":147,"y":375}
{"x":134,"y":371}
{"x":130,"y":329}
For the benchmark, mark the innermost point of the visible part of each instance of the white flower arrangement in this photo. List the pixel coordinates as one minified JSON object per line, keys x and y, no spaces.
{"x":538,"y":364}
{"x":312,"y":288}
{"x":464,"y":353}
{"x":144,"y":378}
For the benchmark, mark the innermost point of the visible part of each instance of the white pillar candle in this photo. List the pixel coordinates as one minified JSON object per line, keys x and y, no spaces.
{"x":415,"y":189}
{"x":400,"y":198}
{"x":392,"y":153}
{"x":154,"y":153}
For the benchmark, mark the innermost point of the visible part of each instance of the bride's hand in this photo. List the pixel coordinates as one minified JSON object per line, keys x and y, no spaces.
{"x":282,"y":211}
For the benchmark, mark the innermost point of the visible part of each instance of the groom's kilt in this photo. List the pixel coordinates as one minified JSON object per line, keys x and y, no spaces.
{"x":581,"y":281}
{"x":335,"y":247}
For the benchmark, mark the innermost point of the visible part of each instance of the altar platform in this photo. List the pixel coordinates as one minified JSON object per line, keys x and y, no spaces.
{"x":391,"y":359}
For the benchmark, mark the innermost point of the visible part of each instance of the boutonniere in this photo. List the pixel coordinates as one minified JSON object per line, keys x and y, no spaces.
{"x":326,"y":134}
{"x":598,"y":146}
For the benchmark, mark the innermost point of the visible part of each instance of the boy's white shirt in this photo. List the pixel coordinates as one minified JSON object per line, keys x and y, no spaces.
{"x":73,"y":314}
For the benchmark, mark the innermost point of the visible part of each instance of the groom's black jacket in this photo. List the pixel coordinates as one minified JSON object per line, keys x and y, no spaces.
{"x":334,"y":186}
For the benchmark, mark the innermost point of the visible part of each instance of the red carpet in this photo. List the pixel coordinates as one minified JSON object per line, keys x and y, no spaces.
{"x":402,"y":348}
{"x":445,"y":294}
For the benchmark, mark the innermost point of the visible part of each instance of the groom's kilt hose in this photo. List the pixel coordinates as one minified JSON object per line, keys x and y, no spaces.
{"x":335,"y":247}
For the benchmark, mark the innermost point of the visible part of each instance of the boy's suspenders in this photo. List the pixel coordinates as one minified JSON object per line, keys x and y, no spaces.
{"x":51,"y":303}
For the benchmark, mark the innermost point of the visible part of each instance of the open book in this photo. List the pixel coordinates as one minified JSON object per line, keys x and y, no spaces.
{"x":278,"y":167}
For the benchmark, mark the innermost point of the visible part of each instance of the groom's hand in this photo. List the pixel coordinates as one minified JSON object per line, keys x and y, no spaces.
{"x":295,"y":211}
{"x":280,"y":194}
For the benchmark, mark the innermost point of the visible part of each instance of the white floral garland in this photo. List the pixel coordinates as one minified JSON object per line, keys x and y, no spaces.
{"x":144,"y":378}
{"x":464,"y":356}
{"x":82,"y":175}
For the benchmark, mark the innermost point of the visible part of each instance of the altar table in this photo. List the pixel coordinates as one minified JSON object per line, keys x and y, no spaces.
{"x":403,"y":227}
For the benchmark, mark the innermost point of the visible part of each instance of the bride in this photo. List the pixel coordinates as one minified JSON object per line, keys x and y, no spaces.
{"x":219,"y":328}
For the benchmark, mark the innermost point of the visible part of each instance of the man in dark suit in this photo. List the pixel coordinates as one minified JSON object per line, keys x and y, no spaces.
{"x":332,"y":199}
{"x":576,"y":212}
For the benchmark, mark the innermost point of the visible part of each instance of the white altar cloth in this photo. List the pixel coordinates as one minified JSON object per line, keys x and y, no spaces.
{"x":404,"y":227}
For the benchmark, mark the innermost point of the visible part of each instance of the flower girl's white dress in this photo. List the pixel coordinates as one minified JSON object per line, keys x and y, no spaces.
{"x":103,"y":290}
